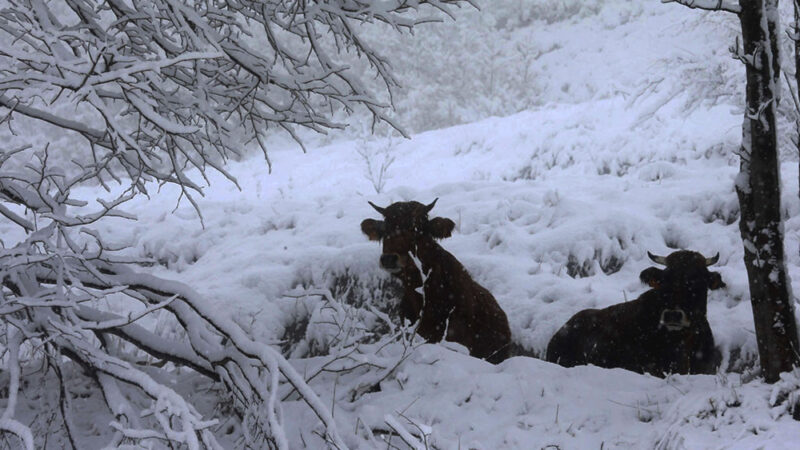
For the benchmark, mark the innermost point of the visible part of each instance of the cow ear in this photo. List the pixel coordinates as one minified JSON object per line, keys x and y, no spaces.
{"x":374,"y":229}
{"x":715,"y":281}
{"x":441,"y":228}
{"x":651,"y":276}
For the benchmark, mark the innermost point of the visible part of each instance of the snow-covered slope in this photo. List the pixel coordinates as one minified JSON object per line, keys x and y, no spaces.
{"x":513,"y":55}
{"x":555,"y":209}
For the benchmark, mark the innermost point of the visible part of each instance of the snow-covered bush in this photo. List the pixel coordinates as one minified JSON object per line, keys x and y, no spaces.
{"x":353,"y":309}
{"x":785,"y":397}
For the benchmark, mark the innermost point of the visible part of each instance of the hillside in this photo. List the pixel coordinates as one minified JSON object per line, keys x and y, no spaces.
{"x":555,"y":208}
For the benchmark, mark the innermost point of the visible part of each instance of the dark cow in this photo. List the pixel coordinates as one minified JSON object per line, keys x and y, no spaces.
{"x":663,"y":331}
{"x":452,"y":300}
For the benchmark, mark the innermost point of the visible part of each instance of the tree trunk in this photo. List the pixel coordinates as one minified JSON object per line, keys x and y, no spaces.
{"x":758,"y":187}
{"x":796,"y":39}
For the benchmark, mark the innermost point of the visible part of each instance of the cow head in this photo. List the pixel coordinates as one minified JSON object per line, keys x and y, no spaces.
{"x":682,"y":286}
{"x":404,"y":226}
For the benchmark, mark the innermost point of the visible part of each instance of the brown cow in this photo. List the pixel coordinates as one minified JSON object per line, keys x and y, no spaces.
{"x":663,"y":331}
{"x":450,"y":299}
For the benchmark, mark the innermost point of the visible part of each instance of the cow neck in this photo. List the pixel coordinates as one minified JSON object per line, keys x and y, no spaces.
{"x":426,"y":250}
{"x":699,"y":300}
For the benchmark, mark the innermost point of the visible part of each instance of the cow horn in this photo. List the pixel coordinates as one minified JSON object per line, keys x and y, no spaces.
{"x":713,"y":260}
{"x":657,"y":259}
{"x":428,"y":208}
{"x":377,"y":208}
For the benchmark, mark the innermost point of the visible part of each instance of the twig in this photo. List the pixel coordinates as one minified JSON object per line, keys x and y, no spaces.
{"x":403,"y":433}
{"x":123,"y":321}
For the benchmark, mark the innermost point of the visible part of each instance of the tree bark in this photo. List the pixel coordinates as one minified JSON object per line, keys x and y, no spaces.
{"x":795,"y":36}
{"x":758,"y":187}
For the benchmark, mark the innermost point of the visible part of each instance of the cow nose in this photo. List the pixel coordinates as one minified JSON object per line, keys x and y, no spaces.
{"x":389,"y":261}
{"x":672,"y":316}
{"x":674,"y":319}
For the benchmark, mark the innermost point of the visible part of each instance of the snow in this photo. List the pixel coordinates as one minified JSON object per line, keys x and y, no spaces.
{"x":527,"y":403}
{"x":588,"y":214}
{"x":555,"y":208}
{"x":597,"y":204}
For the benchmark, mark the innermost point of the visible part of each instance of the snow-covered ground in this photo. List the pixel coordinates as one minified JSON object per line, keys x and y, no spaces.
{"x":555,"y":209}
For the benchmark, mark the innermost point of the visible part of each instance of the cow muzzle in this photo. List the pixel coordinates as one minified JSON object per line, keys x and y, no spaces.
{"x":390,"y":262}
{"x":674,"y":319}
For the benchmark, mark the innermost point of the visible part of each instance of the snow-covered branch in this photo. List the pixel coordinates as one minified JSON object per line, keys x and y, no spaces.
{"x":18,"y":429}
{"x":709,"y":5}
{"x":168,"y":406}
{"x":53,"y":284}
{"x":409,"y":439}
{"x":130,"y":96}
{"x":191,"y":92}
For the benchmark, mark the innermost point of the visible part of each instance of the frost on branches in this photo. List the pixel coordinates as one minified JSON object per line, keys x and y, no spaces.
{"x":130,"y":95}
